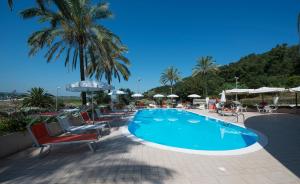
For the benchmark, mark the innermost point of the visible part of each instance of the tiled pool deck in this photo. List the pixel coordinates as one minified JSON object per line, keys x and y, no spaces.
{"x":121,"y":160}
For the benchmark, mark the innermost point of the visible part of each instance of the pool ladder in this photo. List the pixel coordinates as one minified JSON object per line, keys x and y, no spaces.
{"x":237,"y":115}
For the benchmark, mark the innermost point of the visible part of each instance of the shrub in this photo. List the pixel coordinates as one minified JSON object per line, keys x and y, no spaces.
{"x":18,"y":122}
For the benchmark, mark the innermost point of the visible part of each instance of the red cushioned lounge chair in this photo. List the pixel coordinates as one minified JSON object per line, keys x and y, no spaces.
{"x":42,"y":138}
{"x":86,"y":118}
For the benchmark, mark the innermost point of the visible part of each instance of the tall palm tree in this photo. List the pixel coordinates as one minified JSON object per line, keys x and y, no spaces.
{"x":73,"y":30}
{"x":10,"y":4}
{"x":171,"y":75}
{"x":204,"y":65}
{"x":116,"y":68}
{"x":38,"y":97}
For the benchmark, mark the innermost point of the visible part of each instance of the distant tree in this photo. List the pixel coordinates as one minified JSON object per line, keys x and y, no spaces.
{"x":101,"y":97}
{"x":203,"y":67}
{"x":171,"y":75}
{"x":38,"y":97}
{"x":126,"y":98}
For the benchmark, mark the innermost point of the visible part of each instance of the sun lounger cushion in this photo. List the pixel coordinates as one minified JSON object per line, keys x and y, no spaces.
{"x":41,"y":134}
{"x":87,"y":119}
{"x":69,"y":138}
{"x":54,"y":129}
{"x":85,"y":116}
{"x":75,"y":120}
{"x":39,"y":131}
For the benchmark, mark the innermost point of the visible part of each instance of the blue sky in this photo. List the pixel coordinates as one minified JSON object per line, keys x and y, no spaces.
{"x":159,"y":34}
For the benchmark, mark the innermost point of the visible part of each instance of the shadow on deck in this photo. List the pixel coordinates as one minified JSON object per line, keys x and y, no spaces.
{"x":283,"y":132}
{"x":76,"y":164}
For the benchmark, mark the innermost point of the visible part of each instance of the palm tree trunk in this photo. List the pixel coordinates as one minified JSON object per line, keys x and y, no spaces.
{"x":82,"y":75}
{"x":109,"y":82}
{"x":205,"y":88}
{"x":205,"y":79}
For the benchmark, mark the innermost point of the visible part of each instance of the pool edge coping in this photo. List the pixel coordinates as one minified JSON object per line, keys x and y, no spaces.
{"x":261,"y":142}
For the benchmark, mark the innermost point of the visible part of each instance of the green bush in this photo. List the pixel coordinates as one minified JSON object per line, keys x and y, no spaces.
{"x":18,"y":122}
{"x":14,"y":123}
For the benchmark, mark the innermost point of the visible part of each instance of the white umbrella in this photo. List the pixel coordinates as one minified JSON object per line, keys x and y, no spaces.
{"x":137,"y":95}
{"x":238,"y":91}
{"x":296,"y":89}
{"x":117,"y":92}
{"x":267,"y":90}
{"x":172,"y":96}
{"x":88,"y":86}
{"x":194,"y":96}
{"x":223,"y":97}
{"x":158,"y":96}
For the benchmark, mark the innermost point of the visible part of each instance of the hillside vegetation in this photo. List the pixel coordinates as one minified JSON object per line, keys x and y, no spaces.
{"x":279,"y":67}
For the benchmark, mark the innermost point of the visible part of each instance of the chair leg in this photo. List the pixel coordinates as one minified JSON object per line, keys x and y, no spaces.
{"x":41,"y":154}
{"x":91,"y":147}
{"x":108,"y":123}
{"x":41,"y":151}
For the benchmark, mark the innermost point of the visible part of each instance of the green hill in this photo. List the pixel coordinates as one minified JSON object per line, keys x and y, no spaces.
{"x":279,"y":67}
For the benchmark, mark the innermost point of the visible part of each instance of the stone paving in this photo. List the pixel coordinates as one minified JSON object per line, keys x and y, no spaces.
{"x":121,"y":160}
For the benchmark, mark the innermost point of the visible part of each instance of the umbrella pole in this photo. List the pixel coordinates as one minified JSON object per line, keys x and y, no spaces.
{"x":296,"y":97}
{"x":93,"y":115}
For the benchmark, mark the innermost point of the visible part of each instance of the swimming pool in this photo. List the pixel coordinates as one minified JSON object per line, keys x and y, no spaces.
{"x":187,"y":130}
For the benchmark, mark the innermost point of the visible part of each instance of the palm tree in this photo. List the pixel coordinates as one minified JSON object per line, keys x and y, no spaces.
{"x":37,"y":97}
{"x":10,"y":4}
{"x":72,"y":32}
{"x":116,"y":68}
{"x":204,"y":65}
{"x":171,"y":75}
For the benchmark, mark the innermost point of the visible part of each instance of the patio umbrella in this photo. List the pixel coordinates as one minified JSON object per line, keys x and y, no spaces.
{"x":223,"y":97}
{"x":117,"y":92}
{"x":137,"y":95}
{"x":194,"y":96}
{"x":296,"y":89}
{"x":264,"y":90}
{"x":158,"y":96}
{"x":267,"y":90}
{"x":172,"y":96}
{"x":88,"y":86}
{"x":238,"y":91}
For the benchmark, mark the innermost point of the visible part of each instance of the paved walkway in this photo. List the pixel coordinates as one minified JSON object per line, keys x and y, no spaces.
{"x":120,"y":160}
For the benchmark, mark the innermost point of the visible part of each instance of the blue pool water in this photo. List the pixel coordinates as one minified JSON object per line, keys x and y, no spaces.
{"x":182,"y":129}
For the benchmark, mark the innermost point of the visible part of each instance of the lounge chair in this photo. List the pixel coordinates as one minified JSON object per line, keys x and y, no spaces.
{"x":67,"y":126}
{"x":100,"y":115}
{"x":270,"y":109}
{"x":42,"y":139}
{"x":86,"y":118}
{"x":201,"y":106}
{"x":260,"y":109}
{"x":179,"y":105}
{"x":243,"y":108}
